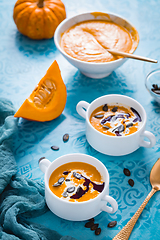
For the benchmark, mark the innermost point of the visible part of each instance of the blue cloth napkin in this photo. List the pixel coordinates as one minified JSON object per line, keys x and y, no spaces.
{"x":20,"y":198}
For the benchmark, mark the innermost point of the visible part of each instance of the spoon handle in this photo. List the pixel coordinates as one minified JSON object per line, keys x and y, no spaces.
{"x":129,"y":55}
{"x":127,"y":229}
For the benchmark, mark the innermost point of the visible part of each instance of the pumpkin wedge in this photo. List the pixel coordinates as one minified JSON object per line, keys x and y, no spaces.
{"x":48,"y":99}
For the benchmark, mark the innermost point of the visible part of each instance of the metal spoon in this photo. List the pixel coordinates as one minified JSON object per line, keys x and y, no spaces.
{"x":155,"y":182}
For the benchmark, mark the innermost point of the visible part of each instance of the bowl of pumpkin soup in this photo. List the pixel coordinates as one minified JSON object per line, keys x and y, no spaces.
{"x":77,"y":187}
{"x":115,"y":124}
{"x":84,"y":39}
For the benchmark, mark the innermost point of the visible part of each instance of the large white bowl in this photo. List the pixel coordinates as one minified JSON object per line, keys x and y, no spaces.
{"x":90,"y":69}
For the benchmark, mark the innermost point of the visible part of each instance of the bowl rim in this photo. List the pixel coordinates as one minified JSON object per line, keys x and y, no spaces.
{"x":85,"y":62}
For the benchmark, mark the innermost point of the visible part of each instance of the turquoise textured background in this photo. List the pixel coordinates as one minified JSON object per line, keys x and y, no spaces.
{"x":23,"y":62}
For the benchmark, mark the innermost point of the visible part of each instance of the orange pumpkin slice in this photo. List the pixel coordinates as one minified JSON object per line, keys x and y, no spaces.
{"x":48,"y":99}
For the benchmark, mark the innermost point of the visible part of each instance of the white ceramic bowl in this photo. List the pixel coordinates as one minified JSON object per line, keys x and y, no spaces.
{"x":153,"y":79}
{"x":90,"y":69}
{"x":77,"y":211}
{"x":115,"y":145}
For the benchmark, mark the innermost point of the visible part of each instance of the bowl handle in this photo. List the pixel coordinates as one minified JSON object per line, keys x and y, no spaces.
{"x":44,"y":164}
{"x":81,"y":108}
{"x":113,"y":203}
{"x":150,"y":136}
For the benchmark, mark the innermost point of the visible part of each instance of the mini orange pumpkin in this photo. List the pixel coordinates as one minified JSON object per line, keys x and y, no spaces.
{"x":48,"y":99}
{"x":38,"y":19}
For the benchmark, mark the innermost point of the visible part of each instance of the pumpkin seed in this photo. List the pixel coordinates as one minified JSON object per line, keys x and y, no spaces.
{"x":99,"y":116}
{"x":155,"y":86}
{"x":114,"y":109}
{"x":37,"y":102}
{"x":48,"y":83}
{"x":106,"y":127}
{"x":66,"y":172}
{"x":71,"y":189}
{"x":129,"y":125}
{"x":89,"y":224}
{"x":77,"y":175}
{"x":119,"y":129}
{"x":38,"y":97}
{"x":61,"y":180}
{"x":56,"y":184}
{"x":105,"y":108}
{"x":94,"y":226}
{"x":131,"y":182}
{"x":43,"y":93}
{"x":98,"y":231}
{"x":65,"y":194}
{"x":112,"y":224}
{"x":56,"y":148}
{"x":126,"y":172}
{"x":65,"y":137}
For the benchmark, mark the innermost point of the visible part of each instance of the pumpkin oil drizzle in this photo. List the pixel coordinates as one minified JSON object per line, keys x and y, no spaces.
{"x":80,"y":192}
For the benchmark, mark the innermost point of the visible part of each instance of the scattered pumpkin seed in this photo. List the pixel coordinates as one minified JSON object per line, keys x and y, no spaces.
{"x":98,"y":231}
{"x":55,"y":148}
{"x":94,"y":226}
{"x":65,"y":137}
{"x":112,"y":224}
{"x":126,"y":172}
{"x":89,"y":224}
{"x":131,"y":182}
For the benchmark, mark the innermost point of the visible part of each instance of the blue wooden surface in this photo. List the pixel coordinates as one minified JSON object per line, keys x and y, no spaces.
{"x":23,"y":62}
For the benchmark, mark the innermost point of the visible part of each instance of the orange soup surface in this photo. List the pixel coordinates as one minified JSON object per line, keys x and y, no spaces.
{"x":89,"y":40}
{"x":116,"y":119}
{"x":76,"y":182}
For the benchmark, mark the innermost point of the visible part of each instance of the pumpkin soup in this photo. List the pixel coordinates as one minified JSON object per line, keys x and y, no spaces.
{"x":116,"y":119}
{"x":76,"y":182}
{"x":89,"y":40}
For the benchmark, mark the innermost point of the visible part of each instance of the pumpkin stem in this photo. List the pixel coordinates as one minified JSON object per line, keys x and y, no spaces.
{"x":40,"y":3}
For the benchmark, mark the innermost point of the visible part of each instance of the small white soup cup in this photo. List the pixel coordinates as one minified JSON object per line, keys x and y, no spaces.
{"x":115,"y":145}
{"x":91,"y":69}
{"x":77,"y":211}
